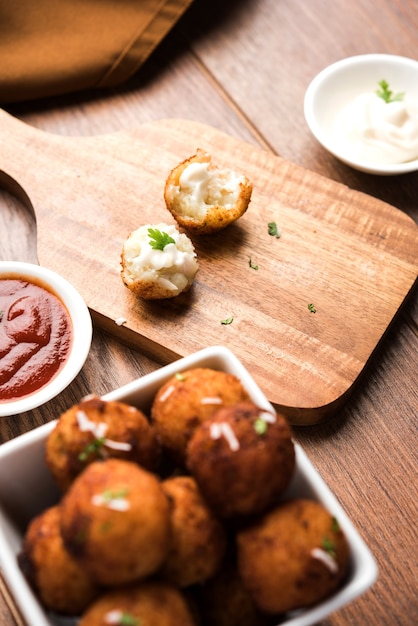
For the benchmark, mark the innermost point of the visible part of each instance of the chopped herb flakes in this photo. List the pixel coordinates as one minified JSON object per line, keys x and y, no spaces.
{"x":312,"y":308}
{"x":260,"y":426}
{"x":110,"y":494}
{"x":127,"y":619}
{"x":91,"y":448}
{"x":328,"y":546}
{"x":252,"y":265}
{"x":180,"y":376}
{"x":335,"y":527}
{"x":387,"y":94}
{"x":273,"y":230}
{"x":227,"y":321}
{"x":158,"y":240}
{"x":106,"y":526}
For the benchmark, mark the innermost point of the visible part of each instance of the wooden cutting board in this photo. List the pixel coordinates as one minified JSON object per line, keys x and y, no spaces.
{"x":351,"y":256}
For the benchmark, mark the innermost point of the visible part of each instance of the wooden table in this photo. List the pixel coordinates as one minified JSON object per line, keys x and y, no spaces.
{"x":243,"y":67}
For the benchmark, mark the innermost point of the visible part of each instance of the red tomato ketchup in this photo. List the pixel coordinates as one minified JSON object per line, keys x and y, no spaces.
{"x":35,"y":337}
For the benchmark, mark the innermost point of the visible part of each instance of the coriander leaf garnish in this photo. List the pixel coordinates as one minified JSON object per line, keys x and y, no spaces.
{"x":158,"y":239}
{"x":106,"y":526}
{"x":328,"y":546}
{"x":260,"y":426}
{"x":387,"y":94}
{"x":312,"y":307}
{"x":127,"y":619}
{"x":273,"y":230}
{"x":91,"y":448}
{"x":110,"y":494}
{"x":252,"y":265}
{"x":180,"y":376}
{"x":335,"y":527}
{"x":227,"y":321}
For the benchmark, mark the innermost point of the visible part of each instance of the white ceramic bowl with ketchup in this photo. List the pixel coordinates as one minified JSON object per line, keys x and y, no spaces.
{"x":45,"y":334}
{"x":340,"y":84}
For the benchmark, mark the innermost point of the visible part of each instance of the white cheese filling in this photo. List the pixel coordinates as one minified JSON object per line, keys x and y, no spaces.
{"x":174,"y":267}
{"x":201,"y":187}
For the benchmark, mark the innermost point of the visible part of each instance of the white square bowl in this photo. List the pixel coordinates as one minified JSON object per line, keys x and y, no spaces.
{"x":26,"y":488}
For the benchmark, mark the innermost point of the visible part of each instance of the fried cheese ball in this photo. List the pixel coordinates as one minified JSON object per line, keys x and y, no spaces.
{"x":205,"y":198}
{"x":96,"y":429}
{"x":242,"y":458}
{"x":115,"y":520}
{"x":158,"y":262}
{"x":188,"y":399}
{"x":60,"y":582}
{"x":224,"y":601}
{"x":198,"y":539}
{"x":149,"y":603}
{"x":293,"y":557}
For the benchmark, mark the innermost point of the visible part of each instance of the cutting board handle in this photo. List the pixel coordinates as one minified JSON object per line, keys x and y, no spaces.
{"x":15,"y":136}
{"x":25,"y":150}
{"x":10,"y":123}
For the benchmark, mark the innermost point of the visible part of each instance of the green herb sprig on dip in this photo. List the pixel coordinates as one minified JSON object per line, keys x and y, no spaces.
{"x":387,"y":94}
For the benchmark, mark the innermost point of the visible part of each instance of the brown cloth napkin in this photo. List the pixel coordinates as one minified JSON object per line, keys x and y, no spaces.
{"x":50,"y":47}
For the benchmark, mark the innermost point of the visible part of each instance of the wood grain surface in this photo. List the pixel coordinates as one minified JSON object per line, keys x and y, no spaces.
{"x":242,"y":67}
{"x":350,"y":256}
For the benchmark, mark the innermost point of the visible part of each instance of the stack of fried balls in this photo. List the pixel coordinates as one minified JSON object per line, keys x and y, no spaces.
{"x":179,"y":517}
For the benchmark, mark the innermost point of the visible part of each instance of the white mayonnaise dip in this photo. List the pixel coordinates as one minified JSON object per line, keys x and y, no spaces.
{"x":195,"y":179}
{"x":372,"y":130}
{"x":201,"y":187}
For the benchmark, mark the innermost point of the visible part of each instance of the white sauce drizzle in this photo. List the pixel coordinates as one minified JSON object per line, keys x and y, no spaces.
{"x":267,"y":417}
{"x":173,"y":258}
{"x":99,"y":430}
{"x":117,"y":503}
{"x":166,"y":393}
{"x":120,"y":321}
{"x":86,"y":425}
{"x":117,"y":445}
{"x":214,"y":400}
{"x":113,"y":617}
{"x":219,"y":429}
{"x":321,"y":555}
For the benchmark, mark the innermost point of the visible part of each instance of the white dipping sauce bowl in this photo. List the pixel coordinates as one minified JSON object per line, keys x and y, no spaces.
{"x":340,"y":83}
{"x":81,"y":329}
